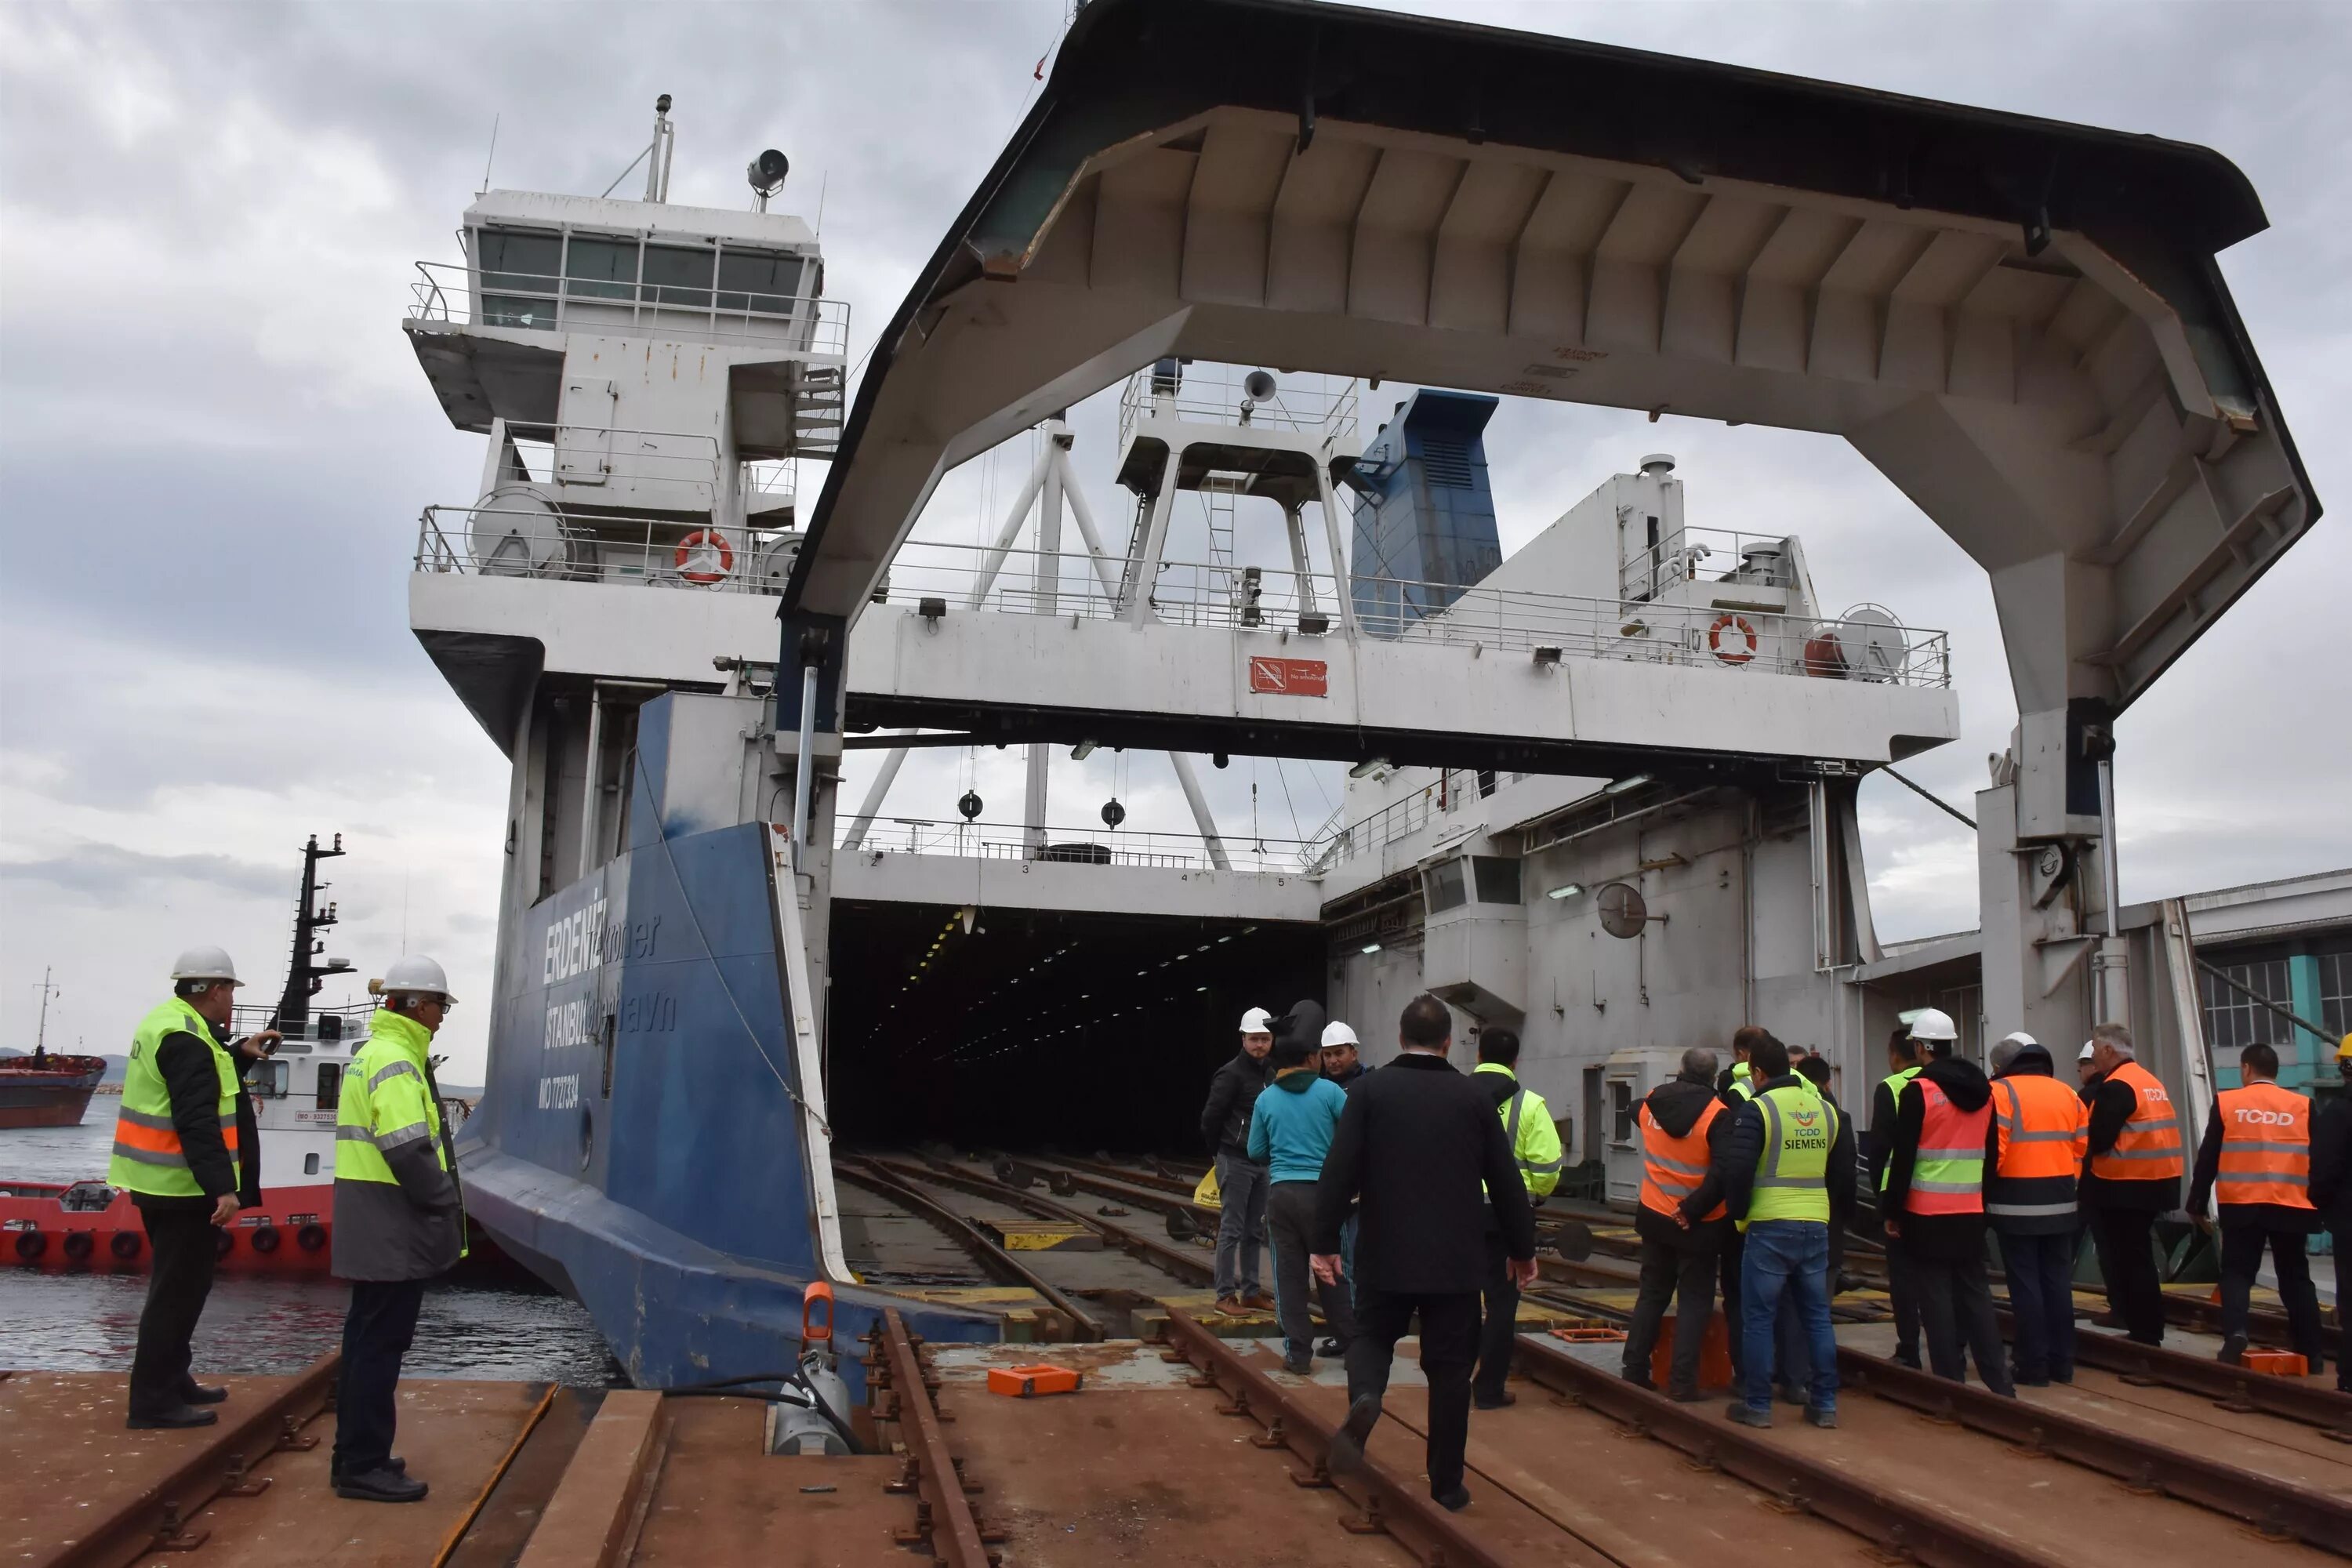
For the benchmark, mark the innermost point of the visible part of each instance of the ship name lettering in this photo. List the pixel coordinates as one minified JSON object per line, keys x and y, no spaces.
{"x":575,"y":944}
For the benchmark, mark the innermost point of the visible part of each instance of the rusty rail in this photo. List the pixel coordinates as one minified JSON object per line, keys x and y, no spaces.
{"x":1890,"y":1520}
{"x":2233,"y":1388}
{"x":1192,"y":1266}
{"x":1173,"y":1186}
{"x":157,"y":1519}
{"x":1389,"y":1504}
{"x":976,"y":1241}
{"x":1119,"y":1188}
{"x":2278,"y":1509}
{"x":943,"y":1515}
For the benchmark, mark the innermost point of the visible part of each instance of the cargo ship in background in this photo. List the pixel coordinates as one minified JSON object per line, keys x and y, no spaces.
{"x":44,"y":1090}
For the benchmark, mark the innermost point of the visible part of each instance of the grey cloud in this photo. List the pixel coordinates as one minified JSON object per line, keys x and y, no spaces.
{"x":109,"y":873}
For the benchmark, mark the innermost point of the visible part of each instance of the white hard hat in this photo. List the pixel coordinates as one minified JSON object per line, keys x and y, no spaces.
{"x":204,"y":963}
{"x":414,"y":975}
{"x":1336,"y":1033}
{"x":1258,"y":1021}
{"x":2090,"y":1048}
{"x":2019,"y":1037}
{"x":1932,"y":1024}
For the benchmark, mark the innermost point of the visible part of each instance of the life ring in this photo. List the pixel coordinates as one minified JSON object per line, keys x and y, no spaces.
{"x":224,"y":1239}
{"x":30,"y":1244}
{"x":265,"y":1238}
{"x":1728,"y":622}
{"x":125,"y":1245}
{"x":310,"y":1237}
{"x":80,"y":1245}
{"x":701,"y":546}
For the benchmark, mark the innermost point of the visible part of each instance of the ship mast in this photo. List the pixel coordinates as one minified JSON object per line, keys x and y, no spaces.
{"x":304,"y":974}
{"x":41,"y":1040}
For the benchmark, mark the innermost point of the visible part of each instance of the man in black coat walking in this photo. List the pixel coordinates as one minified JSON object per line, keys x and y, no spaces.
{"x":1415,"y":1142}
{"x":2331,"y":1194}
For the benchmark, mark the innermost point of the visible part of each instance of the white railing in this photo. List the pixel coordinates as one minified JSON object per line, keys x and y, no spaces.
{"x":1023,"y":581}
{"x":351,"y":1023}
{"x":1215,"y":394}
{"x":1095,"y":845}
{"x":456,"y":294}
{"x":1706,"y":555}
{"x":657,"y":552}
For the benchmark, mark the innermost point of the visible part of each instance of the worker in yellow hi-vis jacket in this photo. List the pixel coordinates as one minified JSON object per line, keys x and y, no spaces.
{"x":400,"y":1219}
{"x":1535,"y":1149}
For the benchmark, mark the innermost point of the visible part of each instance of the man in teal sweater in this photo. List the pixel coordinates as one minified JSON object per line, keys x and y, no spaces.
{"x":1291,"y":1129}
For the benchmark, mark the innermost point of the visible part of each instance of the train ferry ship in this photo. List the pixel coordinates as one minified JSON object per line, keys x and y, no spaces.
{"x":1602,"y":790}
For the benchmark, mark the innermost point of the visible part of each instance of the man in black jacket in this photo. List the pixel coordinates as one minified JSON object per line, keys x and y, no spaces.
{"x":1414,"y":1144}
{"x":2256,"y":1200}
{"x":2123,"y":1210}
{"x":1946,"y":1248}
{"x":2331,"y":1194}
{"x":1680,"y":1249}
{"x":1241,"y":1181}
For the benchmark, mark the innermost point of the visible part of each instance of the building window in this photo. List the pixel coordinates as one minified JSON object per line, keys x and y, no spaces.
{"x":2233,"y":1020}
{"x":2336,"y":993}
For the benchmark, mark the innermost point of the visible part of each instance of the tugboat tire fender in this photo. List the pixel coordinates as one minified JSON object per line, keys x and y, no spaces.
{"x":31,"y":1245}
{"x":310,"y":1237}
{"x":266,"y":1239}
{"x":80,"y":1245}
{"x":125,"y":1245}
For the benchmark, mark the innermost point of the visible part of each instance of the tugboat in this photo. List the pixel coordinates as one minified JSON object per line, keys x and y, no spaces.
{"x":90,"y":1225}
{"x":45,"y":1091}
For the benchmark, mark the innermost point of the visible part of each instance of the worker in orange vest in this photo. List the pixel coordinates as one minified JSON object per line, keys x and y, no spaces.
{"x":1684,"y":1125}
{"x":1935,"y":1208}
{"x":2255,"y":1163}
{"x":2133,"y":1176}
{"x":2040,"y":1130}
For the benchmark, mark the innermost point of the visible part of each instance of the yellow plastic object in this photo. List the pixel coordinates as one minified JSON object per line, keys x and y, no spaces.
{"x":1206,"y":1193}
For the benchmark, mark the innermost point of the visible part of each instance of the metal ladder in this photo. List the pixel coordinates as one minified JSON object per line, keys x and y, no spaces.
{"x":1218,"y":494}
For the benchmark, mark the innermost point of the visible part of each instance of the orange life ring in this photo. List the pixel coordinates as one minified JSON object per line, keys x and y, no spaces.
{"x":699,"y":545}
{"x":1715,"y":638}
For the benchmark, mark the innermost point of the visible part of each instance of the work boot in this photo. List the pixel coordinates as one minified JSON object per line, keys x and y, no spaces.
{"x":1453,"y":1501}
{"x":2062,"y":1375}
{"x":382,"y":1484}
{"x":1687,"y":1397}
{"x":1298,"y":1364}
{"x":1820,"y":1415}
{"x":194,"y":1392}
{"x":1910,"y":1358}
{"x":173,"y":1416}
{"x":1346,"y":1455}
{"x":1639,"y":1379}
{"x":1494,"y":1401}
{"x":1791,"y":1394}
{"x":1258,"y":1301}
{"x":1738,"y":1411}
{"x":1230,"y":1306}
{"x":2234,"y":1350}
{"x":396,"y":1465}
{"x":1332,"y":1348}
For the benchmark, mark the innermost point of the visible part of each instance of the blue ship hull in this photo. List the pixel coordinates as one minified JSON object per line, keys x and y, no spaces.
{"x":640,"y":1143}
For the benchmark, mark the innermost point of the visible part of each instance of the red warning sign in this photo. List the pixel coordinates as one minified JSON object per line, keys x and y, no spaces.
{"x":1290,"y":677}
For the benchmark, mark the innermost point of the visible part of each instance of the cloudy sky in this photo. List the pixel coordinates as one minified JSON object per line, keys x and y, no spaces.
{"x":215,"y":442}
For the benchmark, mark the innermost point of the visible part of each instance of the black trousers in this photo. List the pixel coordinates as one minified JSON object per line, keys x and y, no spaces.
{"x":1498,"y":1323}
{"x":1902,"y":1297}
{"x":2127,"y":1261}
{"x":1956,"y":1315}
{"x":1449,"y":1347}
{"x":2342,"y":1241}
{"x":179,"y":1279}
{"x":376,"y":1334}
{"x":2242,"y":1259}
{"x":1289,"y":1226}
{"x":2041,"y":1270}
{"x":1735,"y":1241}
{"x":1682,"y":1273}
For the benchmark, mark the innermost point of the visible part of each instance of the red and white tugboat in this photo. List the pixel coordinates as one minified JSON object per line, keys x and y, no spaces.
{"x":91,"y":1224}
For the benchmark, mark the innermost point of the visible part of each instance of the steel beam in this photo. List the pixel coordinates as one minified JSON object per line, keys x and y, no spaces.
{"x":156,"y":1520}
{"x":954,"y":1533}
{"x":1390,"y":1502}
{"x":1888,"y":1519}
{"x":2230,"y":1387}
{"x":2276,"y":1509}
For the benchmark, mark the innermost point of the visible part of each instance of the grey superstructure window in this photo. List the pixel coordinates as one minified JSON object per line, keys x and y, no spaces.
{"x":596,"y":268}
{"x":758,"y":280}
{"x":518,"y":270}
{"x":1448,"y":886}
{"x":678,"y":275}
{"x":1498,"y":878}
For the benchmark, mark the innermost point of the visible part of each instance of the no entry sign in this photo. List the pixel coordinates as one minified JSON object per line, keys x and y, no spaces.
{"x":1290,"y":677}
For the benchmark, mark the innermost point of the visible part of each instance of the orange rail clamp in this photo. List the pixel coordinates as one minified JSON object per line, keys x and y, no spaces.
{"x":1027,"y":1382}
{"x":2276,"y":1364}
{"x":1590,"y":1336}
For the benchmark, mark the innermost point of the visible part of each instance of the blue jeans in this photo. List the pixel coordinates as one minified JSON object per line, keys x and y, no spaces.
{"x":1791,"y":1256}
{"x":1241,"y":1191}
{"x":2041,"y":1271}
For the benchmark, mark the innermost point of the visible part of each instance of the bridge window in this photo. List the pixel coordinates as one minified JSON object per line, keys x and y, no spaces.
{"x":601,"y":269}
{"x":1498,"y":878}
{"x":519,"y":272}
{"x":761,"y":281}
{"x":1447,"y":886}
{"x":678,"y":275}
